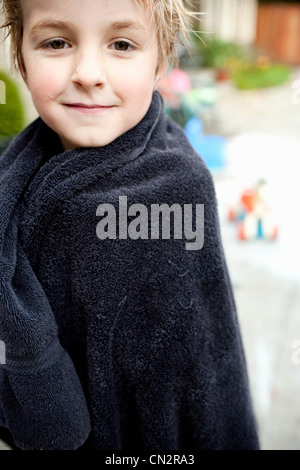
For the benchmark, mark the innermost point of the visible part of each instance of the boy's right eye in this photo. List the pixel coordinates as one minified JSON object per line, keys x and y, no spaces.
{"x":55,"y":44}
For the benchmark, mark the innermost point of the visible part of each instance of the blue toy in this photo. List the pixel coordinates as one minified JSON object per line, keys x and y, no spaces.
{"x":210,"y":147}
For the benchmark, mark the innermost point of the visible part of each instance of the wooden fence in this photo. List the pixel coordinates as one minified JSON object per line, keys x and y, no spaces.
{"x":278,"y":31}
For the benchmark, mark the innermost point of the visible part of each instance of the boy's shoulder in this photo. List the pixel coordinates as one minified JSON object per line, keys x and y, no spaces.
{"x":162,"y":175}
{"x":186,"y":165}
{"x":171,"y":168}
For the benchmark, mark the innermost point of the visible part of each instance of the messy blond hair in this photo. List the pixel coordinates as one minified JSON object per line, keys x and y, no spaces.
{"x":173,"y":20}
{"x":12,"y":13}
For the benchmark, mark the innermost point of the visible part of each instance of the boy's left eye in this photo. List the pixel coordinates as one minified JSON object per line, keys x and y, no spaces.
{"x":122,"y":46}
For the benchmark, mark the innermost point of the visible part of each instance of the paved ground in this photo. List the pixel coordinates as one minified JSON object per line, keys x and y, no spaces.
{"x":263,"y":132}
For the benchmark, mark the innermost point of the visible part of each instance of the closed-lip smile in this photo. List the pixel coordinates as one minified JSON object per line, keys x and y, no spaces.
{"x":88,"y":108}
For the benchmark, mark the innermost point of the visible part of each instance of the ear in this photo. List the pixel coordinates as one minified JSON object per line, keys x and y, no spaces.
{"x":160,"y":73}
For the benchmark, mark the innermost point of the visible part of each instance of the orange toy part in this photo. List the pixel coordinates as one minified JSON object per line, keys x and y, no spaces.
{"x":248,"y":200}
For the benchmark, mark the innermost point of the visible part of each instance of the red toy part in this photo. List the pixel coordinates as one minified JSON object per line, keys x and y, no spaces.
{"x":231,"y":215}
{"x":275,"y":233}
{"x":241,"y":231}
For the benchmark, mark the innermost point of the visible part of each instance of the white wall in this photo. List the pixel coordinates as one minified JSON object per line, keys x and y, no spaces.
{"x":231,"y":20}
{"x":3,"y":51}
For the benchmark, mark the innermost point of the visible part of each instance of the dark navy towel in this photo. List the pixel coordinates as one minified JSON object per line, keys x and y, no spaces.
{"x":137,"y":336}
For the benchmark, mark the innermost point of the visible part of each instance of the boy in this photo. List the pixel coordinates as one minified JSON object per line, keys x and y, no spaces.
{"x":119,"y":333}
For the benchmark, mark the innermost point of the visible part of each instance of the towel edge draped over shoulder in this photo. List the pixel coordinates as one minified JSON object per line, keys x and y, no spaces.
{"x":41,"y":396}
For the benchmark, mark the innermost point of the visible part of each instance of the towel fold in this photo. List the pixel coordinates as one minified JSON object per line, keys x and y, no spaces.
{"x":42,"y":400}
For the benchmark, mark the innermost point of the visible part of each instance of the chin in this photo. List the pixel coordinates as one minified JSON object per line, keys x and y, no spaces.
{"x":70,"y":144}
{"x":77,"y":144}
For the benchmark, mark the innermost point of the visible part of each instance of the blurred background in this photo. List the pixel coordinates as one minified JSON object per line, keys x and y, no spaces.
{"x":237,"y":96}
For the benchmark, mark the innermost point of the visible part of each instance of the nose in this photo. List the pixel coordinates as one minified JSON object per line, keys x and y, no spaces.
{"x":89,"y":70}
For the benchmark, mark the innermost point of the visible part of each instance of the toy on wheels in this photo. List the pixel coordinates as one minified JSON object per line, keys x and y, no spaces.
{"x":253,"y":215}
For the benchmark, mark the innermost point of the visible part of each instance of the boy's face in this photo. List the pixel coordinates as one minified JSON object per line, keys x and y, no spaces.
{"x":91,"y":66}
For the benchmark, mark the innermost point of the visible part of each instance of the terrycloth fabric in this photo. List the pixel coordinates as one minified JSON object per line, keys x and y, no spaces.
{"x":141,"y":335}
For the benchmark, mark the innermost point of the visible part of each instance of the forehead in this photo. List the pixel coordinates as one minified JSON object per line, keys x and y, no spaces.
{"x":86,"y":14}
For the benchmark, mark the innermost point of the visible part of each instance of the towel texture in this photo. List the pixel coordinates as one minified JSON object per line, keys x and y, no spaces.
{"x":138,"y":337}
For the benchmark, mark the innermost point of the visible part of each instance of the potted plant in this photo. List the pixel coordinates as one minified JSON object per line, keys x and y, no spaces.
{"x":220,"y":55}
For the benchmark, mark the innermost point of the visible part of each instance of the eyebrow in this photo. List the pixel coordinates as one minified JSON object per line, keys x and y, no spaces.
{"x":58,"y":24}
{"x":127,"y":24}
{"x":51,"y":24}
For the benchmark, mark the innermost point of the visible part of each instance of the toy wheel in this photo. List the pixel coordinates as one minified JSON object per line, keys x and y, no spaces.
{"x":247,"y":229}
{"x":275,"y":233}
{"x":270,"y":230}
{"x":241,"y":232}
{"x":231,"y":215}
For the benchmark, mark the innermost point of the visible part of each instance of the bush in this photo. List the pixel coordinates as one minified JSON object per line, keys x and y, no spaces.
{"x":12,"y":113}
{"x":217,"y":53}
{"x":255,"y":77}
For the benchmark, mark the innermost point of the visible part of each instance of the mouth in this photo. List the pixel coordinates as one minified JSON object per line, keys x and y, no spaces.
{"x":88,"y":108}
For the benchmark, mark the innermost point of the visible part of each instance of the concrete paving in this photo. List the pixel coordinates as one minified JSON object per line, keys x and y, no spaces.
{"x":263,"y":132}
{"x":263,"y":141}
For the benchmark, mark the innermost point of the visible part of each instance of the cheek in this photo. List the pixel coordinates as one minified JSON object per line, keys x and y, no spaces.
{"x":133,"y":84}
{"x":137,"y":90}
{"x":43,"y":86}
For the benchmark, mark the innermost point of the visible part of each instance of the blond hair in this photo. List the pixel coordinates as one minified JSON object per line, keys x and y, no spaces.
{"x":173,"y":20}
